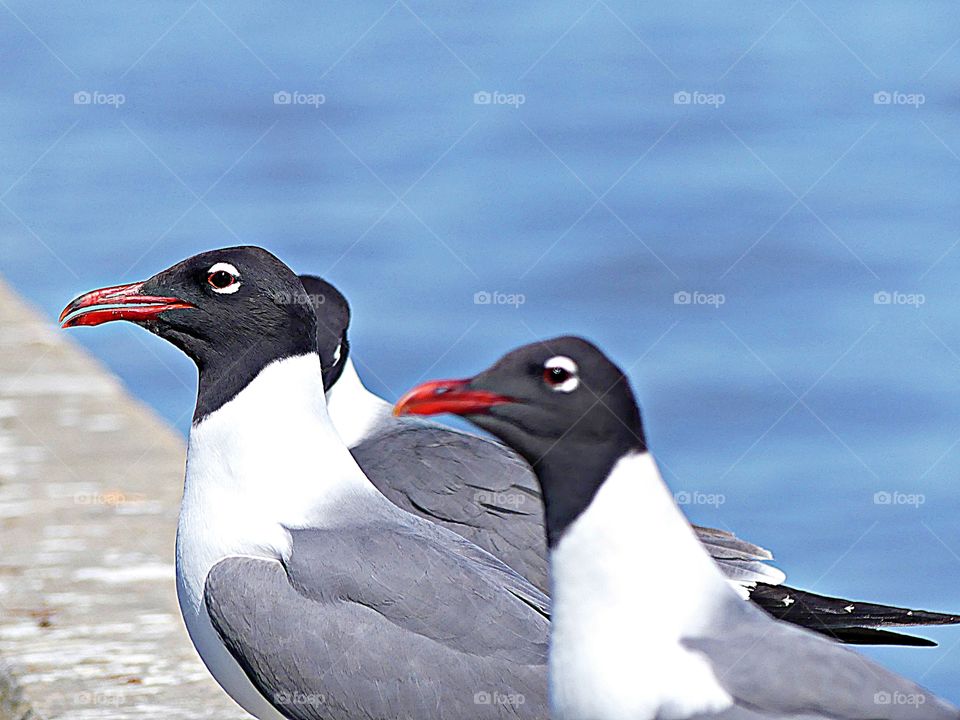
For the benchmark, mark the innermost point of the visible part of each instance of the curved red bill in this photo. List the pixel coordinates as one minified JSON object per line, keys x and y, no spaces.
{"x":121,"y":302}
{"x":447,"y":396}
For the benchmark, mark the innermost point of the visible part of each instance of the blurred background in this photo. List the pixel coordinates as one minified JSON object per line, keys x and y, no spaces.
{"x":752,"y":208}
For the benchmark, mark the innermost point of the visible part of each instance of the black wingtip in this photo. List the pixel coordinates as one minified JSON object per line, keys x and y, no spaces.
{"x":848,"y":621}
{"x":871,"y":636}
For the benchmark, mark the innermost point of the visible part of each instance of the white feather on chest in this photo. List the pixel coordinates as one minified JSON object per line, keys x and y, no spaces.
{"x":267,"y":460}
{"x":630,"y":580}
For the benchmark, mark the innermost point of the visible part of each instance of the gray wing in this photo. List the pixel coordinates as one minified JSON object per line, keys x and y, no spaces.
{"x":475,"y":487}
{"x":739,"y":560}
{"x":774,"y":670}
{"x":485,"y":492}
{"x":849,"y":621}
{"x":344,"y":630}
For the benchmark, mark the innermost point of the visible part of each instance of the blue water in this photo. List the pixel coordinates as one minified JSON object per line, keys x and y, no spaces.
{"x":794,"y":201}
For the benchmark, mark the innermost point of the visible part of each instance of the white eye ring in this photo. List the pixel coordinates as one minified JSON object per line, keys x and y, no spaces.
{"x":336,"y":353}
{"x":562,"y":362}
{"x":230,"y":270}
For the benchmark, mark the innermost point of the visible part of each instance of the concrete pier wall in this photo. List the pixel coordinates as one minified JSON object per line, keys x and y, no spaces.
{"x":90,"y":482}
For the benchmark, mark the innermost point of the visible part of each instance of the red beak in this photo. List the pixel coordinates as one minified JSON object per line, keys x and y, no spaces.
{"x":122,"y":302}
{"x":447,"y":396}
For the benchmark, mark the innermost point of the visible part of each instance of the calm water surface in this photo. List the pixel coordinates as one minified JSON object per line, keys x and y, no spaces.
{"x":789,"y":169}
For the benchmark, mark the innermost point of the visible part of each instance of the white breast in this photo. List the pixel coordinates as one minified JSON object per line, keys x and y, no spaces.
{"x":630,"y":579}
{"x":267,"y":460}
{"x":219,"y":661}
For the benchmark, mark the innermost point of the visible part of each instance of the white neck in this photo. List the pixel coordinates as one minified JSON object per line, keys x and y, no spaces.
{"x":630,"y":580}
{"x":355,"y":411}
{"x":268,"y":460}
{"x":246,"y":463}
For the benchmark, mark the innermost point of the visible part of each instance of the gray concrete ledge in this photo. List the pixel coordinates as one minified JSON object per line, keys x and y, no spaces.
{"x":90,"y":483}
{"x":12,"y":705}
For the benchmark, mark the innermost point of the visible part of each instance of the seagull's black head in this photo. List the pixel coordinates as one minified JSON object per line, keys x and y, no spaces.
{"x":561,"y":403}
{"x":233,"y":311}
{"x":556,"y":391}
{"x":333,"y":319}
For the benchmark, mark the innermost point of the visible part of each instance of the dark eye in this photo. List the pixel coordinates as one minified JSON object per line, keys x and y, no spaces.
{"x":560,"y":374}
{"x":223,"y":278}
{"x":556,"y":375}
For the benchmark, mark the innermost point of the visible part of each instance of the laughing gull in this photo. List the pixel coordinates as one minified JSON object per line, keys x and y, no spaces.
{"x":486,"y":493}
{"x":306,"y":592}
{"x":617,"y":650}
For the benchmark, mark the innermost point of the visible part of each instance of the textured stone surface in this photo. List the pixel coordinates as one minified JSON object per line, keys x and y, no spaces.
{"x":90,"y":482}
{"x":12,"y":704}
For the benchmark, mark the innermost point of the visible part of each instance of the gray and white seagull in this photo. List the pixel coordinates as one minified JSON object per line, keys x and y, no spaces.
{"x":306,"y":592}
{"x":483,"y":491}
{"x":617,"y":650}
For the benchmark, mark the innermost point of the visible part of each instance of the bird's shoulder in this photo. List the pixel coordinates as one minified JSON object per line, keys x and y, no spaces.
{"x":432,"y":445}
{"x":473,"y":486}
{"x":411,"y":573}
{"x":439,"y":568}
{"x":330,"y":639}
